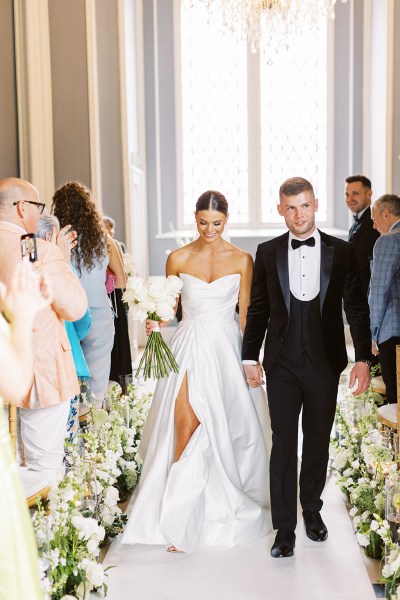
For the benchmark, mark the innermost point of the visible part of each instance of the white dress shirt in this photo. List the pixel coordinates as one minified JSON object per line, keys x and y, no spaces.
{"x":304,"y":268}
{"x":304,"y":271}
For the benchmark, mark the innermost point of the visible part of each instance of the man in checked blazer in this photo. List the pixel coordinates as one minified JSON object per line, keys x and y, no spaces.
{"x":384,"y":295}
{"x":300,"y":280}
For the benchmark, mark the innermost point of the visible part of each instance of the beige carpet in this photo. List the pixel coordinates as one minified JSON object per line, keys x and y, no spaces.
{"x":333,"y":570}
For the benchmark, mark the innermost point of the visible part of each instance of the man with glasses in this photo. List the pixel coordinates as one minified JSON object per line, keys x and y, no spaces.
{"x":44,"y":413}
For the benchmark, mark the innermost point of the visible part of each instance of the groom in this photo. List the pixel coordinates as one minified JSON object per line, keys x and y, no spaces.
{"x":300,"y":280}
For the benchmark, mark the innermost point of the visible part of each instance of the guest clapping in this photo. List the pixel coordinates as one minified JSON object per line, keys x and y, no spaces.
{"x":45,"y":409}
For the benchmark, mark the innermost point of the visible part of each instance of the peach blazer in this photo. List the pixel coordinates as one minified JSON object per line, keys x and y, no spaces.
{"x":54,"y":370}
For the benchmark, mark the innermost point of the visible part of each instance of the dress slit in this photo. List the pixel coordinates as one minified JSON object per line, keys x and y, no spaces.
{"x":185,"y":418}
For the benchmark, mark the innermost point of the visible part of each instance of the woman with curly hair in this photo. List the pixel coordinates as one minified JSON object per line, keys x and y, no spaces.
{"x":95,"y":252}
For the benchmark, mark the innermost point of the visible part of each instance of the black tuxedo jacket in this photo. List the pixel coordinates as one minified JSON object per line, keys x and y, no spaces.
{"x":363,"y":240}
{"x":269,"y":308}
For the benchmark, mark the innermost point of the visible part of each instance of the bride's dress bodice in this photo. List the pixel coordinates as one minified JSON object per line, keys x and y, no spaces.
{"x":215,"y":301}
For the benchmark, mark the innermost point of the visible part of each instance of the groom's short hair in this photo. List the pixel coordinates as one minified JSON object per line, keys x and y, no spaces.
{"x":295,"y":186}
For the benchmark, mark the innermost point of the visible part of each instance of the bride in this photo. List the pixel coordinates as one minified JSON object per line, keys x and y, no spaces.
{"x":205,"y":473}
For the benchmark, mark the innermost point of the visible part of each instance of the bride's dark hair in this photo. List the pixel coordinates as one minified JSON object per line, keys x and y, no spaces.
{"x":212,"y":200}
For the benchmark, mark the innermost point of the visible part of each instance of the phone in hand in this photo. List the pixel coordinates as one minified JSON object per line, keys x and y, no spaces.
{"x":28,"y":246}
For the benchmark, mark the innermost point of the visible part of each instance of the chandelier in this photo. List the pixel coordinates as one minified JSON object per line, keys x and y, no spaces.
{"x":249,"y":19}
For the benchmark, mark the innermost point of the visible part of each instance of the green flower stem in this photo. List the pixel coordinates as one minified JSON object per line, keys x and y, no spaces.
{"x":157,"y":360}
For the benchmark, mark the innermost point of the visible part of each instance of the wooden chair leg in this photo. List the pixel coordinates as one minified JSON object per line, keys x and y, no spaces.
{"x":12,"y":426}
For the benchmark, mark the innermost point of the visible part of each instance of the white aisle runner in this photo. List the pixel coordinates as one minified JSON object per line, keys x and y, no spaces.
{"x":332,"y":570}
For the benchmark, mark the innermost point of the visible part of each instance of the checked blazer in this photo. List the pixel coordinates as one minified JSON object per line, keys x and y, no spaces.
{"x":384,"y":294}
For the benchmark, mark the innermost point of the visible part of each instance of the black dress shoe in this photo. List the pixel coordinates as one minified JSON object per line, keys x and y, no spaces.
{"x":284,"y":543}
{"x":315,"y":527}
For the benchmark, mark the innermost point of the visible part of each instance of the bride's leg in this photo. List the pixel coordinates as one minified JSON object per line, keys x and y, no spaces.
{"x":186,"y":421}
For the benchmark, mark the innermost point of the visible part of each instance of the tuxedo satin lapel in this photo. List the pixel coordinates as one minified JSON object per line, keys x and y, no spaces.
{"x":326,"y":269}
{"x":282,"y":265}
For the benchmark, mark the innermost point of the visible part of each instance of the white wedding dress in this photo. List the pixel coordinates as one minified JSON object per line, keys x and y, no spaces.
{"x":217,"y":492}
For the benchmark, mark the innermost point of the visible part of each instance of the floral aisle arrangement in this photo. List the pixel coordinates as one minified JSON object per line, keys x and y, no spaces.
{"x":68,"y":543}
{"x":367,"y":460}
{"x":154,"y":299}
{"x":362,"y":456}
{"x":129,"y":264}
{"x":83,"y":508}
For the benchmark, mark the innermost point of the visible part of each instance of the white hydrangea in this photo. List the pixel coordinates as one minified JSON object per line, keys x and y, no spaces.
{"x":363,"y":539}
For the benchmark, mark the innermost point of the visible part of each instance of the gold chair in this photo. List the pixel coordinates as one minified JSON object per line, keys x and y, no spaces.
{"x":12,"y":426}
{"x":389,"y":414}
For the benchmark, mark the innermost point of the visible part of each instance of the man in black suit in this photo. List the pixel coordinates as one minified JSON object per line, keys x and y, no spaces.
{"x":300,"y":280}
{"x":362,"y":234}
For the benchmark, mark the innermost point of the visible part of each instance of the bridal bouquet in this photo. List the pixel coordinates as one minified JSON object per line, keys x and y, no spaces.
{"x":154,"y":299}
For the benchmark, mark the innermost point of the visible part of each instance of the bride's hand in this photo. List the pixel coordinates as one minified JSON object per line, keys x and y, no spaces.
{"x":154,"y":326}
{"x":254,"y":375}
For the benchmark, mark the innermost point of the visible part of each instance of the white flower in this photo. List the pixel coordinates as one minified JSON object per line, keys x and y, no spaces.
{"x":355,"y":464}
{"x":353,"y":511}
{"x":386,"y":571}
{"x":107,"y":516}
{"x":357,"y":520}
{"x":93,"y":547}
{"x":362,"y":539}
{"x":347,"y":472}
{"x":374,"y":525}
{"x":88,"y":528}
{"x":173,"y":284}
{"x":137,"y":313}
{"x":365,"y":515}
{"x":95,"y":573}
{"x":165,"y":311}
{"x":112,"y":494}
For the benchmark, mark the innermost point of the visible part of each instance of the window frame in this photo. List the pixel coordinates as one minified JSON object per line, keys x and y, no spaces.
{"x":254,"y":137}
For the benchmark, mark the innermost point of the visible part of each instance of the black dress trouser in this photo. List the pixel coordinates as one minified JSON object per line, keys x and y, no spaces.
{"x":292,"y":387}
{"x":387,"y":360}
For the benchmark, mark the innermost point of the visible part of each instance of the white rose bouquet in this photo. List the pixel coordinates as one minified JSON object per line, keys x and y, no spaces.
{"x":154,"y":299}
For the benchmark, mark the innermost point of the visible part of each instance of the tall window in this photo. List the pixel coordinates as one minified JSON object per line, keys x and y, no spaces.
{"x":250,"y":121}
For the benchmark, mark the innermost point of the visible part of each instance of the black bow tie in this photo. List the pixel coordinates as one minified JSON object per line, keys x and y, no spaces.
{"x":308,"y":242}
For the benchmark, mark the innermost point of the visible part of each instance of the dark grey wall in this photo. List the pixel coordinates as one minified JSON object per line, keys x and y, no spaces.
{"x":9,"y":164}
{"x":166,"y":145}
{"x":70,"y":91}
{"x":110,"y":112}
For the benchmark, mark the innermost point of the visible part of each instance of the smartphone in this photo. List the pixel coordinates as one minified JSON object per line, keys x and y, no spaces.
{"x":28,"y":246}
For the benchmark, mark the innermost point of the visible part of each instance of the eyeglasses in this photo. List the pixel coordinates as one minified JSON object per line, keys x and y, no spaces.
{"x":40,"y":205}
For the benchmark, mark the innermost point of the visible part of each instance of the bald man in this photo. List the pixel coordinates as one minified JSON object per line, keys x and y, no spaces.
{"x":44,"y":412}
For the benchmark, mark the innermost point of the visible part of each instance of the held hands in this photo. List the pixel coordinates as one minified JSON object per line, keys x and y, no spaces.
{"x":27,"y":293}
{"x":254,"y":375}
{"x":359,"y":372}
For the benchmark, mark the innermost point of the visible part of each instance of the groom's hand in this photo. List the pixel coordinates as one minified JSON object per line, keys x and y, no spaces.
{"x":360,"y":372}
{"x":254,"y":375}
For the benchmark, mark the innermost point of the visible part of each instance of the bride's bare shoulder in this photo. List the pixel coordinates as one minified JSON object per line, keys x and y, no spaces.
{"x":177,"y":258}
{"x":238,"y":254}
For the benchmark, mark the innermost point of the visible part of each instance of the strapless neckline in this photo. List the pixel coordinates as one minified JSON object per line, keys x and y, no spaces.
{"x":214,"y":280}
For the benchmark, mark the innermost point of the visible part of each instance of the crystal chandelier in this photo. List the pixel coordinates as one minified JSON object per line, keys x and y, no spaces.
{"x":249,"y":18}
